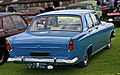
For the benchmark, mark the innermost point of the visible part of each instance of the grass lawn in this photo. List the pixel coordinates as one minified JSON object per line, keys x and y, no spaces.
{"x":106,"y":62}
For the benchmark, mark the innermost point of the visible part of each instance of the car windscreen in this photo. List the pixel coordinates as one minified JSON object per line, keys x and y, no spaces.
{"x":49,"y":23}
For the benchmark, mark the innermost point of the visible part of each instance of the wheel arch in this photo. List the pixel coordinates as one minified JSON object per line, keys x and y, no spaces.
{"x":112,"y":33}
{"x":89,"y":50}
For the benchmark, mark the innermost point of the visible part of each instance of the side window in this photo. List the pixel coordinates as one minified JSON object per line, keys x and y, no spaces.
{"x":89,"y":21}
{"x":8,"y":23}
{"x":94,"y":19}
{"x":19,"y":22}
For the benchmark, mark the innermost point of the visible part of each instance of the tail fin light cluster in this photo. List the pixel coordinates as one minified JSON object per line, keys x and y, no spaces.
{"x":8,"y":45}
{"x":70,"y":45}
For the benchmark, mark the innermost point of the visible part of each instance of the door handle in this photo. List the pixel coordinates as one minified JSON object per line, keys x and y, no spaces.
{"x":90,"y":30}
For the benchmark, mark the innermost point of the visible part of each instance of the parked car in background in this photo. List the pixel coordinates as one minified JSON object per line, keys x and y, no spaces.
{"x":66,"y":37}
{"x":10,"y":24}
{"x":94,"y":3}
{"x":19,"y":9}
{"x":88,"y":6}
{"x":28,"y":16}
{"x":37,"y":10}
{"x":80,"y":6}
{"x":114,"y":17}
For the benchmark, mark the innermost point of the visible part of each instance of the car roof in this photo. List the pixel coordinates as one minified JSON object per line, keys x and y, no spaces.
{"x":68,"y":12}
{"x":5,"y":14}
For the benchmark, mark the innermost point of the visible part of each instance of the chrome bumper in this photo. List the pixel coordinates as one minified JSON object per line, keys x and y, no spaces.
{"x":23,"y":59}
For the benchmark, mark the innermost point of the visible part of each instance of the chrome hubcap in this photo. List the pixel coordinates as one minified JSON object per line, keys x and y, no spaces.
{"x":109,"y":43}
{"x":86,"y":59}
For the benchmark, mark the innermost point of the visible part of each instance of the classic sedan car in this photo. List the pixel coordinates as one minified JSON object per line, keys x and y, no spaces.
{"x":10,"y":24}
{"x":66,"y":37}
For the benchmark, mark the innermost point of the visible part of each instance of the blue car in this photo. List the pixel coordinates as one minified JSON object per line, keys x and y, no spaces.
{"x":66,"y":37}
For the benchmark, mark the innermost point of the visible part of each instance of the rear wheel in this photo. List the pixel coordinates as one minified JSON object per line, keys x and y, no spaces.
{"x":84,"y":63}
{"x":3,"y":56}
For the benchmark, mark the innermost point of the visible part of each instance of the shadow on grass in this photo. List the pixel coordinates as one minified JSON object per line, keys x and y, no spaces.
{"x":61,"y":70}
{"x":117,"y":26}
{"x":58,"y":70}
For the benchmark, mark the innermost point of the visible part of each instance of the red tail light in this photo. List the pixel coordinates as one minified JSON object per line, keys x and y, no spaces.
{"x":8,"y":45}
{"x":70,"y":45}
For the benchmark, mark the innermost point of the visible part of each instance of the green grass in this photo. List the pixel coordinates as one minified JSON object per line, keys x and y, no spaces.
{"x":106,"y":62}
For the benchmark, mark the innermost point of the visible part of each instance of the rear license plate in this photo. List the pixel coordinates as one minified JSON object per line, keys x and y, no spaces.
{"x":39,"y":54}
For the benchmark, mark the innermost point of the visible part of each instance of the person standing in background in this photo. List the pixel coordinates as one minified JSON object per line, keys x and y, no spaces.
{"x":49,"y":7}
{"x":98,"y":3}
{"x":46,"y":8}
{"x":111,"y":3}
{"x":10,"y":8}
{"x":115,"y":3}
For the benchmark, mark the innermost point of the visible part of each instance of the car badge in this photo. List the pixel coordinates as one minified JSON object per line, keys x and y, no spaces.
{"x":38,"y":46}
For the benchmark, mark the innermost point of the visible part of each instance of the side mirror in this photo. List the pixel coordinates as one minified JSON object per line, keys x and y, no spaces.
{"x":110,"y":20}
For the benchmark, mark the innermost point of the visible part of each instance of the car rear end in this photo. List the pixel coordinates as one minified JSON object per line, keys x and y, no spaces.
{"x":48,"y":44}
{"x":42,"y":50}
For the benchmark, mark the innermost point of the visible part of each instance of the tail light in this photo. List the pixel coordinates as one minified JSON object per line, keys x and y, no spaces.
{"x":70,"y":45}
{"x":8,"y":45}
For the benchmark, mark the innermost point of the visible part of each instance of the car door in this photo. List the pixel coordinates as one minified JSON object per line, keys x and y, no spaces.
{"x":93,"y":33}
{"x":101,"y":29}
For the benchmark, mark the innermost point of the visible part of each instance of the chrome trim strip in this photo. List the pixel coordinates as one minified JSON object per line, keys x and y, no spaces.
{"x":23,"y":59}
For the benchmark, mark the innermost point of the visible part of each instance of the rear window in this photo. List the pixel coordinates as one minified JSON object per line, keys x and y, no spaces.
{"x":69,"y":23}
{"x":8,"y":23}
{"x":13,"y":22}
{"x":19,"y":22}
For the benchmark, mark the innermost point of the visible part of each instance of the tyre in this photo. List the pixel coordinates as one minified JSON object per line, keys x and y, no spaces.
{"x":84,"y":63}
{"x":109,"y":44}
{"x":3,"y":56}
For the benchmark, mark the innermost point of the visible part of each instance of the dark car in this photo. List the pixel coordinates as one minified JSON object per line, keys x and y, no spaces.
{"x":37,"y":10}
{"x":10,"y":24}
{"x":114,"y":17}
{"x":80,"y":6}
{"x":87,"y":6}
